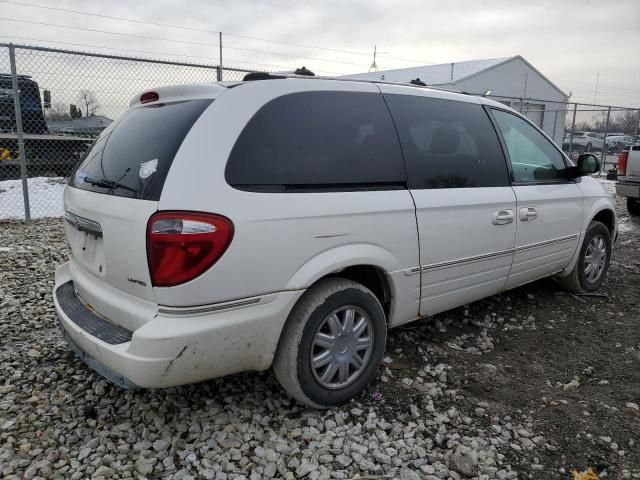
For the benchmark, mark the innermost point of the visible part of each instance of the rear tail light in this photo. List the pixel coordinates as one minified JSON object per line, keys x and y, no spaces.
{"x":622,"y":163}
{"x":183,"y":245}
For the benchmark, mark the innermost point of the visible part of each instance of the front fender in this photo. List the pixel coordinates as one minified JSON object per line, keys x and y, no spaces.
{"x":596,"y":199}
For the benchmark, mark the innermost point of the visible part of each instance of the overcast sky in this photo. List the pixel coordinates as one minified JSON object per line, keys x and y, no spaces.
{"x":568,"y":41}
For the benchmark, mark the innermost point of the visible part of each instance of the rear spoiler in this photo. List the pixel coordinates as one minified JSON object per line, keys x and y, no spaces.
{"x":177,"y":93}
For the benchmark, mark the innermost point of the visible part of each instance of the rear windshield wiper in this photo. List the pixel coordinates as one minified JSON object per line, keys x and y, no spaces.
{"x":106,"y":183}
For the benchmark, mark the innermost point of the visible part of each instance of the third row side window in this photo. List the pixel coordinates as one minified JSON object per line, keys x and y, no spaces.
{"x":318,"y":140}
{"x":448,"y":144}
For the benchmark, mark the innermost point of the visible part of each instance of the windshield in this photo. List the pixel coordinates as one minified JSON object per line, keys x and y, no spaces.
{"x":132,"y":156}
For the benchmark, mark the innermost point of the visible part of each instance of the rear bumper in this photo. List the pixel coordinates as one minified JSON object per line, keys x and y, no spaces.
{"x":628,"y":189}
{"x":177,"y":346}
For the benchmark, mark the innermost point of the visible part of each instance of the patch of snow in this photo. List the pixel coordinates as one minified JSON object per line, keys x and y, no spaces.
{"x":45,"y":198}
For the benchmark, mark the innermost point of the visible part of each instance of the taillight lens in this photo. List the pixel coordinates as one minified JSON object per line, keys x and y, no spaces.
{"x":183,"y":245}
{"x":622,"y":163}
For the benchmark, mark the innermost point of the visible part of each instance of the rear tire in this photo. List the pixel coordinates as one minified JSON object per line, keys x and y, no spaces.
{"x":322,"y":358}
{"x":633,"y":206}
{"x":590,"y":269}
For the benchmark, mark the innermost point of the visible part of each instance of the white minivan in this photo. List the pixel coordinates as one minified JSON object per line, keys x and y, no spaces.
{"x":289,"y":222}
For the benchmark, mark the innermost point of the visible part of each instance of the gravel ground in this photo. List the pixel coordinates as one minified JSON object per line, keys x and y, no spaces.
{"x":532,"y":383}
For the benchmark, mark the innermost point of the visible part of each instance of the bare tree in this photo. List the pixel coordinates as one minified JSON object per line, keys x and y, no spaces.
{"x":628,"y":121}
{"x":89,"y":101}
{"x":58,"y":111}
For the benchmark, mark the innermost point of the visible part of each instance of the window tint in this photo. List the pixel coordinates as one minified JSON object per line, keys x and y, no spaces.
{"x":318,"y":140}
{"x":448,"y":144}
{"x":533,"y":157}
{"x":137,"y":150}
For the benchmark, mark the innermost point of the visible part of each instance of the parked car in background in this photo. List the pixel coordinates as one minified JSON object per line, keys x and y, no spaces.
{"x":584,"y":142}
{"x":618,"y":142}
{"x":628,"y":184}
{"x":289,"y":223}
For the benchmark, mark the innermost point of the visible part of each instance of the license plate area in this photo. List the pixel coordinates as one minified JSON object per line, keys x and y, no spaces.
{"x":87,"y":243}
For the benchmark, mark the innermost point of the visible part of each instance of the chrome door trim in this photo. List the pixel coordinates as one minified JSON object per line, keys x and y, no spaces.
{"x":546,"y":242}
{"x":501,"y":253}
{"x":475,"y":258}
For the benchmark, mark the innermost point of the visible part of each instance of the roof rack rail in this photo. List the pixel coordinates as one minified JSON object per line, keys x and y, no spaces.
{"x":415,"y":83}
{"x":249,"y":77}
{"x":304,"y":71}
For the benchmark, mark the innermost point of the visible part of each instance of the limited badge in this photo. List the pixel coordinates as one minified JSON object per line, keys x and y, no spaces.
{"x":148,"y":168}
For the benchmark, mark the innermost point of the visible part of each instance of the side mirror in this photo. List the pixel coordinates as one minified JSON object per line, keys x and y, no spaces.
{"x":587,"y":165}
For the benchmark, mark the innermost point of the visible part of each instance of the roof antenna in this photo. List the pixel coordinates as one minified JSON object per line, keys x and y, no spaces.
{"x":374,"y":65}
{"x":417,"y":81}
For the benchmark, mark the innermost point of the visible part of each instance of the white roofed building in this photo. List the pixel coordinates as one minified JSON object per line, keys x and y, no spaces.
{"x":509,"y":79}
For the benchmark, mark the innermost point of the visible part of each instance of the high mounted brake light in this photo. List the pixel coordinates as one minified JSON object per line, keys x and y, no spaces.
{"x":148,"y":97}
{"x":183,"y":245}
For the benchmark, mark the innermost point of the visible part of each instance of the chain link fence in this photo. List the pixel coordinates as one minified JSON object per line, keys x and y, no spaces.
{"x":578,"y":128}
{"x":54,"y":103}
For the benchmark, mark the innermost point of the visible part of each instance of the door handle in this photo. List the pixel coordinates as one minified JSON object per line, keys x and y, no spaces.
{"x":528,"y":213}
{"x":502,"y":217}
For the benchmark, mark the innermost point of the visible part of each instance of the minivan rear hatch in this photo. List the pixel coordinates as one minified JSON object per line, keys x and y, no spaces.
{"x":115,"y":190}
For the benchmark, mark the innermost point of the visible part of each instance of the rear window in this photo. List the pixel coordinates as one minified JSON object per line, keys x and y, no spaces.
{"x":132,"y":156}
{"x":318,"y":141}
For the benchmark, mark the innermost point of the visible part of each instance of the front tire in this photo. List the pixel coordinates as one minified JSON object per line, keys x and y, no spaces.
{"x":332,"y":343}
{"x":590,"y":270}
{"x":633,"y":206}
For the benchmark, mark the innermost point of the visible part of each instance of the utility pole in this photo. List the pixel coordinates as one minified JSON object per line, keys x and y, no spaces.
{"x":524,"y":91}
{"x":595,"y":96}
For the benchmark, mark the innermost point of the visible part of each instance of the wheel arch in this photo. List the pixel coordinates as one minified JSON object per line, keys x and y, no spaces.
{"x":602,"y":211}
{"x":369,"y":265}
{"x":608,"y":217}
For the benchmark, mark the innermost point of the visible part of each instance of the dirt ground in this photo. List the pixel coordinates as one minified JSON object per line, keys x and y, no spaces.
{"x":527,"y":374}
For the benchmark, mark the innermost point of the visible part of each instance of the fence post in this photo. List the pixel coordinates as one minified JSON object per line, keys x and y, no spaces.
{"x":573,"y":129}
{"x":220,"y":57}
{"x":603,"y":156}
{"x":20,"y":135}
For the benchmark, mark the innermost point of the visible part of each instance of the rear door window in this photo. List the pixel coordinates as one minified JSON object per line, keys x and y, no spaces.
{"x":132,"y":156}
{"x":447,"y":144}
{"x":317,"y":141}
